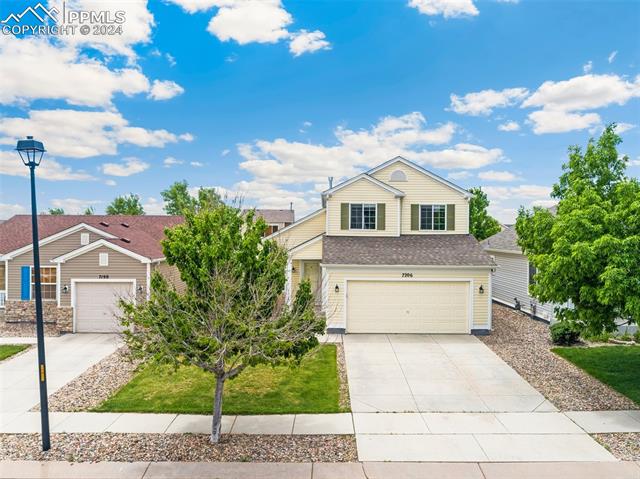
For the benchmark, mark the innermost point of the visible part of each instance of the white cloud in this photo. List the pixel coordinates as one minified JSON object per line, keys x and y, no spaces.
{"x":49,"y":169}
{"x":73,"y":206}
{"x":308,"y":42}
{"x":492,"y":175}
{"x":33,"y":68}
{"x":584,"y":93}
{"x":459,"y":175}
{"x":225,"y":152}
{"x":612,"y":56}
{"x":82,"y":134}
{"x":483,"y":102}
{"x":529,"y":192}
{"x":446,"y":8}
{"x":8,"y":210}
{"x":196,"y":164}
{"x":509,"y":126}
{"x":544,"y":203}
{"x":622,"y":127}
{"x":170,"y":161}
{"x":558,"y":121}
{"x":110,"y":182}
{"x":128,"y":167}
{"x":587,"y":67}
{"x":153,"y":206}
{"x":267,"y":195}
{"x":504,"y":215}
{"x":165,"y":90}
{"x":247,"y":21}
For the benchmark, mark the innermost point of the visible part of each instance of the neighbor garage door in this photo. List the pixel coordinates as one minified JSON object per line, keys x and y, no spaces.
{"x":407,"y":307}
{"x":97,"y":306}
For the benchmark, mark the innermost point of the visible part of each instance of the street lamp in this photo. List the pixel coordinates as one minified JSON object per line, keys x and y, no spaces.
{"x":31,"y":152}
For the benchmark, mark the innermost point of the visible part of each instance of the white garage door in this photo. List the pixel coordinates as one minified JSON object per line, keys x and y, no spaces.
{"x":97,"y":306}
{"x":407,"y":307}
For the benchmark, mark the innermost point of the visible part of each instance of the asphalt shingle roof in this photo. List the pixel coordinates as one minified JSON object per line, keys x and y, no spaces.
{"x":506,"y":240}
{"x":276,"y":216}
{"x":436,"y":250}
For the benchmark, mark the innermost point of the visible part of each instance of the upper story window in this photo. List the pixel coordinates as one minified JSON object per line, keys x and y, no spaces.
{"x":103,"y":259}
{"x":84,"y":239}
{"x":47,"y":281}
{"x":398,"y":175}
{"x":433,"y":217}
{"x":362,"y":216}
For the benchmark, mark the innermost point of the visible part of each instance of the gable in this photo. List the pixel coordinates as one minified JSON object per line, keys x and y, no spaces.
{"x":362,"y":189}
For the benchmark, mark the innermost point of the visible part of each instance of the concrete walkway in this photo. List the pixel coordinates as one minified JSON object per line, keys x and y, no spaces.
{"x":366,"y":470}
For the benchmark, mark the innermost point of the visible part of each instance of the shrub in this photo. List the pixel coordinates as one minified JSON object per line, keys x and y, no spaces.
{"x":597,"y":338}
{"x":636,"y":336}
{"x":564,"y":333}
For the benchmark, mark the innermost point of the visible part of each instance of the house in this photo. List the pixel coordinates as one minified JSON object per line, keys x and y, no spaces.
{"x":390,"y":252}
{"x":276,"y":219}
{"x":514,"y":274}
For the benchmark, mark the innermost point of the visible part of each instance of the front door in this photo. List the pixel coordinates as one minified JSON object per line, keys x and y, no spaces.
{"x":312,"y":273}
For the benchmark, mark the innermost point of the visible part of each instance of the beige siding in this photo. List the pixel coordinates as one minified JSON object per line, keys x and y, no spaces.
{"x":86,"y":266}
{"x":302,"y":231}
{"x":420,"y":189}
{"x":171,"y":274}
{"x":363,"y":191}
{"x":2,"y":277}
{"x":47,"y":252}
{"x":295,"y":277}
{"x":511,"y":280}
{"x":338,"y":276}
{"x":312,"y":251}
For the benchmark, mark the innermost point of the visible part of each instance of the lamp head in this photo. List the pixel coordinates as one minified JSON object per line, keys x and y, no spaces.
{"x":30,"y":151}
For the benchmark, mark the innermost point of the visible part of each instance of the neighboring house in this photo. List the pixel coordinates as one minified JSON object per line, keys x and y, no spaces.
{"x":390,"y":252}
{"x":514,"y":274}
{"x":276,"y":219}
{"x":87,"y":263}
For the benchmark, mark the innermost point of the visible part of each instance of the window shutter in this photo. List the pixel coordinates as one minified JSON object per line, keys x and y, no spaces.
{"x":415,"y":217}
{"x":25,"y":281}
{"x":344,"y":216}
{"x":381,"y":216}
{"x":451,"y":217}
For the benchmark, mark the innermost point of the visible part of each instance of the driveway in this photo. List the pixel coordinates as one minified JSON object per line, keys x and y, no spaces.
{"x":433,"y":373}
{"x":67,"y":357}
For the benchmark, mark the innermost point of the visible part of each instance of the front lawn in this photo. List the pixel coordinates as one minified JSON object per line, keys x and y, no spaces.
{"x":311,"y":388}
{"x":8,"y":350}
{"x":616,"y":366}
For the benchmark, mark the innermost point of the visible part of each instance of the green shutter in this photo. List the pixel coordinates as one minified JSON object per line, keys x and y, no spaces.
{"x":381,"y":216}
{"x":451,"y":217}
{"x":415,"y":217}
{"x":344,"y":216}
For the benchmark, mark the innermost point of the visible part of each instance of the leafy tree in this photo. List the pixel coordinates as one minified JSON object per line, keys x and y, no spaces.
{"x":231,"y":313}
{"x":126,"y":205}
{"x":481,"y":224}
{"x":588,"y":254}
{"x":89,"y":210}
{"x":56,"y":211}
{"x":178,"y":200}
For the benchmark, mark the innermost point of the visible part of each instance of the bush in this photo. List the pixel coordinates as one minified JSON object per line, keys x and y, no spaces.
{"x":597,"y":338}
{"x":636,"y":336}
{"x":564,"y":333}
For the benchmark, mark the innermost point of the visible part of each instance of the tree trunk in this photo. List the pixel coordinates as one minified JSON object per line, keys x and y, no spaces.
{"x":216,"y":425}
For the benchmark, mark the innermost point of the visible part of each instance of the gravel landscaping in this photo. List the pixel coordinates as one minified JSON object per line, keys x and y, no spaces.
{"x":179,"y":447}
{"x":95,"y":385}
{"x":625,"y":446}
{"x":345,"y":403}
{"x":524,"y":344}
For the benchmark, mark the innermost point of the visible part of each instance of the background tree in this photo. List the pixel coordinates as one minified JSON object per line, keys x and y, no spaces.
{"x":178,"y":200}
{"x":481,"y":224}
{"x":589,"y":252}
{"x":126,"y":205}
{"x":56,"y":211}
{"x":231,"y":313}
{"x":89,"y":211}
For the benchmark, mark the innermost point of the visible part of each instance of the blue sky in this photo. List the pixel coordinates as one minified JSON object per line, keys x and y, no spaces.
{"x":266,"y":99}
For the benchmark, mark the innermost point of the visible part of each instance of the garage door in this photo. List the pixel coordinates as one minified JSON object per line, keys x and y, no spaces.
{"x":97,"y":306}
{"x":407,"y":307}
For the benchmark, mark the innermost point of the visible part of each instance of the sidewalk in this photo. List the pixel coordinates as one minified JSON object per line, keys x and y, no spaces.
{"x":371,"y":470}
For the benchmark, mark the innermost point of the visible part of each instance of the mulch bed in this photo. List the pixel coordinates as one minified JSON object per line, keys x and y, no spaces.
{"x":524,"y":344}
{"x":179,"y":447}
{"x":625,"y":446}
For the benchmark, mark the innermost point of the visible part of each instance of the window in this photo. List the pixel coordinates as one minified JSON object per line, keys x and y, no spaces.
{"x":398,"y":175}
{"x":103,"y":259}
{"x":47,"y":281}
{"x":363,"y":216}
{"x":84,"y":239}
{"x":433,"y":217}
{"x":270,"y":230}
{"x":532,"y":272}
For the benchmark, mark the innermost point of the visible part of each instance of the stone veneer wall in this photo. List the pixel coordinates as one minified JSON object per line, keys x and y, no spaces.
{"x":25,"y":311}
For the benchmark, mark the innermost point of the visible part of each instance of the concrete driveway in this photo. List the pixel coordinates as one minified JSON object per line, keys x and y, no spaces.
{"x":433,"y":373}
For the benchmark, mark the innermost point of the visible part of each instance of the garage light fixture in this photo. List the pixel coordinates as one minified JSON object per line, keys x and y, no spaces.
{"x":65,"y":288}
{"x":481,"y":289}
{"x":337,"y":289}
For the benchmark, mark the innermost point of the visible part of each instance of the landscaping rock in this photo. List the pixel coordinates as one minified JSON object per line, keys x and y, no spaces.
{"x":625,"y":446}
{"x":524,"y":344}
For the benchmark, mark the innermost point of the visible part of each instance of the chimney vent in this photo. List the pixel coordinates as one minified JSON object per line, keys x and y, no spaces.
{"x":330,"y":182}
{"x":126,"y":240}
{"x":291,"y":206}
{"x":126,"y":225}
{"x":104,"y":223}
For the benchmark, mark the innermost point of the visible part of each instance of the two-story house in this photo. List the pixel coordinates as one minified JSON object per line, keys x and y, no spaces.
{"x":390,"y":252}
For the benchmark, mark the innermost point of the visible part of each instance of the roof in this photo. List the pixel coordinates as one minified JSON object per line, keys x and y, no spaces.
{"x":364,"y":176}
{"x":276,"y":216}
{"x":429,"y":250}
{"x":505,"y":240}
{"x":143,"y":232}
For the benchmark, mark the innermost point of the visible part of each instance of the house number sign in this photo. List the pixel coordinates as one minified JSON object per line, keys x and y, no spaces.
{"x":407,"y":275}
{"x":103,"y":276}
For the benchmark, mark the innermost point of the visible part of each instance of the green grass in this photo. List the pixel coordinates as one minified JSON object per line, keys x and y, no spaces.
{"x":8,"y":350}
{"x":617,"y":366}
{"x":313,"y":387}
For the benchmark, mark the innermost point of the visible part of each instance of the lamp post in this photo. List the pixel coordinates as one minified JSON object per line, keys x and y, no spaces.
{"x":31,"y":152}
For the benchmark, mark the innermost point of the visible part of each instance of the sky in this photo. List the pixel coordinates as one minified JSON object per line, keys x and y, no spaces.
{"x":265,"y":99}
